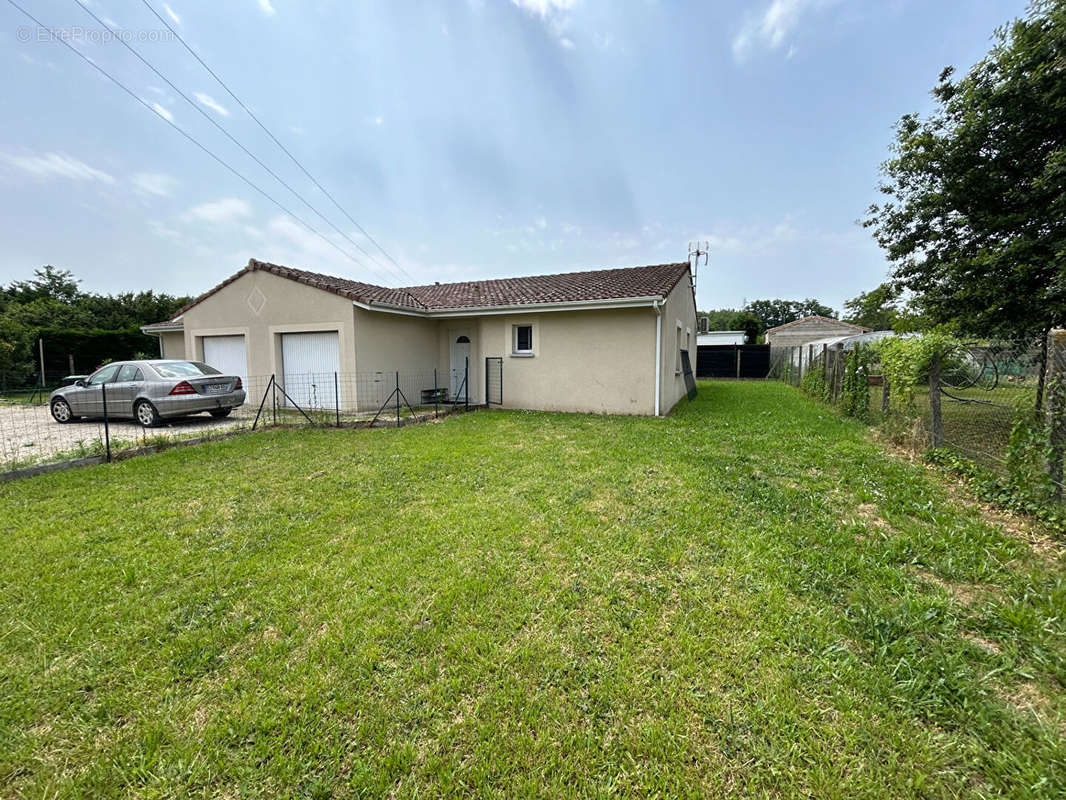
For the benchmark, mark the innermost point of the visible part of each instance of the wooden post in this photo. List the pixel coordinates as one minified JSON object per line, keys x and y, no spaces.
{"x":838,"y":370}
{"x":884,"y":394}
{"x":1055,"y":406}
{"x":736,"y":349}
{"x":936,"y":421}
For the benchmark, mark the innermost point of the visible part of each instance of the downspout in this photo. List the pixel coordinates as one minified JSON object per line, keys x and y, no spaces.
{"x":658,"y":351}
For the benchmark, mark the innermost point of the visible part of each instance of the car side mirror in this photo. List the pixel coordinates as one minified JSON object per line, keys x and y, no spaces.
{"x":81,"y":382}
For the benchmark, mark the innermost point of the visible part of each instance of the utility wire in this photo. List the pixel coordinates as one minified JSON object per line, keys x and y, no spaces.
{"x":266,"y":130}
{"x":62,"y":40}
{"x":229,"y":136}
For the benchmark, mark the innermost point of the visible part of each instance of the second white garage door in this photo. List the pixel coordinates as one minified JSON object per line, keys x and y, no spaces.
{"x":310,"y":361}
{"x":227,"y":354}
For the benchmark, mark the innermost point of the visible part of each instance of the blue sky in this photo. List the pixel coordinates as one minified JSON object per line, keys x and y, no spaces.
{"x":474,"y":138}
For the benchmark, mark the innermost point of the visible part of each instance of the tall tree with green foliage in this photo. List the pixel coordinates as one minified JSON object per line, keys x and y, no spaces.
{"x":877,"y":309}
{"x":52,"y":302}
{"x":779,"y":312}
{"x":976,"y":192}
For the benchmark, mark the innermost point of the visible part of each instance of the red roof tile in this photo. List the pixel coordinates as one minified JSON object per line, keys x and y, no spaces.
{"x":568,"y":287}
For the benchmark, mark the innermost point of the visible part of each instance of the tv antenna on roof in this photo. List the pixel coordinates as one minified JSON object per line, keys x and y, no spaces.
{"x":696,"y":251}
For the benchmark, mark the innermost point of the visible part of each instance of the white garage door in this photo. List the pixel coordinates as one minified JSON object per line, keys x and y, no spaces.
{"x":227,"y":354}
{"x":310,"y":361}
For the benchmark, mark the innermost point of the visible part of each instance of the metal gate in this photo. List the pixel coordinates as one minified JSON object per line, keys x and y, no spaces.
{"x":494,"y":381}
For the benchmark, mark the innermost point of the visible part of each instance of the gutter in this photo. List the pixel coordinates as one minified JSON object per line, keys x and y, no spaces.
{"x":658,"y":306}
{"x":155,"y":330}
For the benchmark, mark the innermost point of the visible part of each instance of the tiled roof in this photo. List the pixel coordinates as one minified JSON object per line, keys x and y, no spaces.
{"x":820,"y":318}
{"x":569,"y":287}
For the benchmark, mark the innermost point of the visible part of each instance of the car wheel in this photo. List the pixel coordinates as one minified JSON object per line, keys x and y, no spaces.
{"x":219,"y":413}
{"x":61,"y":411}
{"x":146,"y":414}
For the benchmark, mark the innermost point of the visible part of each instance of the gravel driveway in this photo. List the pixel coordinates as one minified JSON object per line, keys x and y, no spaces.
{"x":29,"y":434}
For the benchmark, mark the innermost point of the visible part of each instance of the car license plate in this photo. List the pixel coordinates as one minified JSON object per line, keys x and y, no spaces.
{"x":216,"y":388}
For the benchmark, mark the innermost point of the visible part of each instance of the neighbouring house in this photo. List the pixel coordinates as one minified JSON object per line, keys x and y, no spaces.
{"x":810,"y":329}
{"x":708,"y":338}
{"x":602,"y":341}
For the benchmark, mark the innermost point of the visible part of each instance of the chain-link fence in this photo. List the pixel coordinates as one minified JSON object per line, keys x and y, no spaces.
{"x":993,"y":402}
{"x":30,"y":435}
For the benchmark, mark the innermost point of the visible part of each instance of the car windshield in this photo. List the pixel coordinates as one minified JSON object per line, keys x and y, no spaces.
{"x":184,"y":369}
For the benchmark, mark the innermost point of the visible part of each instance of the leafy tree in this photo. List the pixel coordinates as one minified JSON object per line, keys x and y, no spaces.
{"x":878,"y":308}
{"x":48,"y":283}
{"x":779,"y":312}
{"x":720,"y":319}
{"x":52,"y":304}
{"x":976,"y":192}
{"x":732,"y":319}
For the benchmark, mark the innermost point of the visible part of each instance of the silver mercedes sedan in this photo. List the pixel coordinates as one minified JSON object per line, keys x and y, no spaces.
{"x":149,"y":392}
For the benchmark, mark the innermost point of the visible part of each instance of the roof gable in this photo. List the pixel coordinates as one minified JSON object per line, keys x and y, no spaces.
{"x":819,"y":318}
{"x":569,"y":287}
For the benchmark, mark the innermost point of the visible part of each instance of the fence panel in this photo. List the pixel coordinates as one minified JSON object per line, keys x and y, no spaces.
{"x":732,"y":361}
{"x":986,"y":390}
{"x":30,"y":436}
{"x":494,"y":381}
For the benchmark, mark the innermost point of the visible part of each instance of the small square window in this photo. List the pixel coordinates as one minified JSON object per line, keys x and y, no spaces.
{"x":523,"y":338}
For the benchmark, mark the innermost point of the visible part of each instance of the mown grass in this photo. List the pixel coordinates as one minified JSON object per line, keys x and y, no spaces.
{"x":747,"y":597}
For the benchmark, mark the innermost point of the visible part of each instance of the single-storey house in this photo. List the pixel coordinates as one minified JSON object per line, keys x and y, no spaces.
{"x":801,"y":332}
{"x":602,"y":341}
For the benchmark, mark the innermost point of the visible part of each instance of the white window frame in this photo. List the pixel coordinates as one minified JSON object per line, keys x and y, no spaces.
{"x":514,"y":340}
{"x":677,"y":350}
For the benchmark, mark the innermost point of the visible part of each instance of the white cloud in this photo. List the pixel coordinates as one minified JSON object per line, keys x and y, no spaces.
{"x":267,"y":8}
{"x":555,"y":15}
{"x":543,"y":8}
{"x":210,"y":102}
{"x":154,"y":183}
{"x":227,"y":209}
{"x":163,"y":112}
{"x":57,"y":165}
{"x":163,"y":231}
{"x":771,"y":28}
{"x":170,"y":13}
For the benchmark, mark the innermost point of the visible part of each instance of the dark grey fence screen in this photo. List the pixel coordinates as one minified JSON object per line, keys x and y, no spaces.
{"x":732,"y":361}
{"x":494,"y":381}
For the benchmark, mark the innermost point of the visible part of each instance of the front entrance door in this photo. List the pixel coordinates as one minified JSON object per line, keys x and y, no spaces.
{"x":460,"y":352}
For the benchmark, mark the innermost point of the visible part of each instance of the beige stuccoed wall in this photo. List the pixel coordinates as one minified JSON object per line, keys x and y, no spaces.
{"x":598,"y":361}
{"x":394,"y":342}
{"x":679,"y":308}
{"x":284,"y":306}
{"x":172,"y":344}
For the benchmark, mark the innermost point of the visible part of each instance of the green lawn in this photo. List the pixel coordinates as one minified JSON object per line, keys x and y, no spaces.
{"x":747,"y":597}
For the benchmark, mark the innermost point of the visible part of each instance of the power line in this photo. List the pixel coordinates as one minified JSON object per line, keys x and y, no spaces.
{"x":62,"y":40}
{"x":266,"y":130}
{"x":229,"y":136}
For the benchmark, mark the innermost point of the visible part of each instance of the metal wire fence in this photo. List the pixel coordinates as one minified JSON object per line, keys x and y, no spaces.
{"x":30,"y":436}
{"x":986,"y":393}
